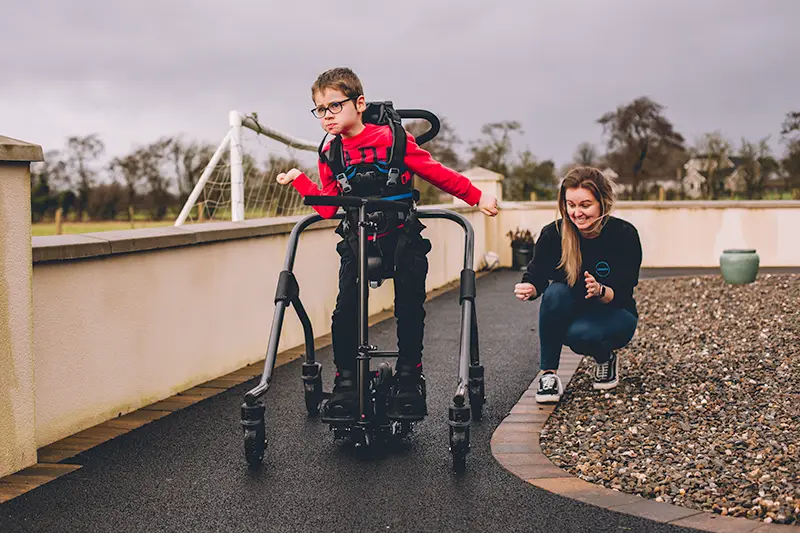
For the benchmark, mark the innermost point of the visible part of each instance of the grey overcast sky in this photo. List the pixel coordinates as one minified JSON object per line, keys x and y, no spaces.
{"x":134,"y":71}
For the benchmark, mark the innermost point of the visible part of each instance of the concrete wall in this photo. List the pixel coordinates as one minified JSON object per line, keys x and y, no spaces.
{"x":686,"y":234}
{"x":17,"y":414}
{"x":125,"y":325}
{"x":123,"y":319}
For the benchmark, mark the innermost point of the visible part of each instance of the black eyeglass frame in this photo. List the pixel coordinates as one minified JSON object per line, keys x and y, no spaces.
{"x":330,"y":106}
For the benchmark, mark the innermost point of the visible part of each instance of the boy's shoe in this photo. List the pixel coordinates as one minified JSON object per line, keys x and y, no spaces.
{"x":342,"y":406}
{"x":550,"y":388}
{"x":407,"y":395}
{"x":606,"y":374}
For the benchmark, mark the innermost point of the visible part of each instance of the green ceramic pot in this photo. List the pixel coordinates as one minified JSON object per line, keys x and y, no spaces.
{"x":739,"y":266}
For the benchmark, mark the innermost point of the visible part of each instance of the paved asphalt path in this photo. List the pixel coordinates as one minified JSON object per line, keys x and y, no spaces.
{"x":186,"y":472}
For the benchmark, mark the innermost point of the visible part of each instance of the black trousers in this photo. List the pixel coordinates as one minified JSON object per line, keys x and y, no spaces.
{"x":409,"y":297}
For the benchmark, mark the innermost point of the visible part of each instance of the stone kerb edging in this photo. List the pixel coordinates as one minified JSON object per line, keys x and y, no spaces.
{"x":515,"y":445}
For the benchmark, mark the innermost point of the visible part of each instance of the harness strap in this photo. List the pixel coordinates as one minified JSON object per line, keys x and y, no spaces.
{"x":398,"y":154}
{"x":399,"y":196}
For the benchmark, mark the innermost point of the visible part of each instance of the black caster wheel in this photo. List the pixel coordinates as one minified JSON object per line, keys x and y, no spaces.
{"x":382,"y":382}
{"x":459,"y":447}
{"x":476,"y":400}
{"x":312,"y":387}
{"x":401,"y":430}
{"x":254,"y":433}
{"x":363,"y":440}
{"x":340,"y":434}
{"x":459,"y":462}
{"x":313,"y":394}
{"x":477,"y":391}
{"x":383,"y":375}
{"x":254,"y":444}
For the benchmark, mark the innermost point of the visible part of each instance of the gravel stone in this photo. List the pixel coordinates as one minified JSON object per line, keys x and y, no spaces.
{"x":707,"y":412}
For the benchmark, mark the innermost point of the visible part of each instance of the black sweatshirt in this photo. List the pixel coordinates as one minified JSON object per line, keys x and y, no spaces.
{"x":613,"y":258}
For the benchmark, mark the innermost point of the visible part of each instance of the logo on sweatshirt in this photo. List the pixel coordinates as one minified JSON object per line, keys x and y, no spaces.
{"x":602,"y":269}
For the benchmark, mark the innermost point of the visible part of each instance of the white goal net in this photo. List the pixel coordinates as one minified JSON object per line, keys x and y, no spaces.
{"x":239,"y":181}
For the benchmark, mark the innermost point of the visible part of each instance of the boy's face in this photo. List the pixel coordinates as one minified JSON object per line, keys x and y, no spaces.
{"x":343,"y":114}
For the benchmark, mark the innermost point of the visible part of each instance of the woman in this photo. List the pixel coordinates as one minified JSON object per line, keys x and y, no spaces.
{"x":593,"y":260}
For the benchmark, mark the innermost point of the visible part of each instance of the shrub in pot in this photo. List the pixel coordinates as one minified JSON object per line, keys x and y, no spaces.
{"x":522,"y":242}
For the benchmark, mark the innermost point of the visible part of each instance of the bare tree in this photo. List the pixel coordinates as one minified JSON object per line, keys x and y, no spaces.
{"x":82,"y":153}
{"x":790,"y":129}
{"x":47,"y":177}
{"x":641,"y":141}
{"x":528,"y":176}
{"x":150,"y":162}
{"x":790,"y":136}
{"x":586,"y":154}
{"x":188,"y":159}
{"x":494,"y":150}
{"x":129,"y":169}
{"x":755,"y":157}
{"x":714,"y":152}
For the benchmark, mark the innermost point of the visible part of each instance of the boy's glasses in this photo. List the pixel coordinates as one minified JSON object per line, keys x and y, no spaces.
{"x":333,"y":107}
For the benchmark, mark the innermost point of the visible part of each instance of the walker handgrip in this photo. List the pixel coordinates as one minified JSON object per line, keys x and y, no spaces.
{"x":357,"y":201}
{"x":427,"y":116}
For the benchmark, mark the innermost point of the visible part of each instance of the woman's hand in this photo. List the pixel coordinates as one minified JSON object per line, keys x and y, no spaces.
{"x":285,"y":178}
{"x":592,"y":286}
{"x":524,"y":291}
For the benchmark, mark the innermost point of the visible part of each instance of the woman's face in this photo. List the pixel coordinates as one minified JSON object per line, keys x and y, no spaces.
{"x":582,"y":207}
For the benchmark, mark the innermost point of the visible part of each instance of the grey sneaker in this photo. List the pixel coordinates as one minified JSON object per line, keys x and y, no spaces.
{"x":606,"y":375}
{"x":550,"y":389}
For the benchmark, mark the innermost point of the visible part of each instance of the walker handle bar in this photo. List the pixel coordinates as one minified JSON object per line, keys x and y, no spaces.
{"x":427,"y":116}
{"x":357,"y":201}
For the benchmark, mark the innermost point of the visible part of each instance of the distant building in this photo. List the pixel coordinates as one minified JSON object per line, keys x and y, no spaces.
{"x":624,"y":184}
{"x":730,"y":169}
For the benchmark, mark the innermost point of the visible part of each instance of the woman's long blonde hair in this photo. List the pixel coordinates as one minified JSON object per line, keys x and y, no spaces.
{"x":594,"y":181}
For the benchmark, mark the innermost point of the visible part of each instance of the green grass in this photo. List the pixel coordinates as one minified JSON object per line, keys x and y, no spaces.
{"x":49,"y":228}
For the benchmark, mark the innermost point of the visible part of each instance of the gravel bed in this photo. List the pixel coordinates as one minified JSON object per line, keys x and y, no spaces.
{"x":707,"y":413}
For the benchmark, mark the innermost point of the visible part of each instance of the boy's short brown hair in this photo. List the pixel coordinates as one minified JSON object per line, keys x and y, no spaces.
{"x":341,"y":79}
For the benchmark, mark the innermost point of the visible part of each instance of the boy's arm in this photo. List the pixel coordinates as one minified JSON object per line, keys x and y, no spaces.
{"x":420,"y":162}
{"x":330,"y":187}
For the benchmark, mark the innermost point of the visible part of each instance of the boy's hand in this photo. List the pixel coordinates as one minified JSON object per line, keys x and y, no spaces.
{"x":524,"y":291}
{"x":285,"y":178}
{"x":488,"y":205}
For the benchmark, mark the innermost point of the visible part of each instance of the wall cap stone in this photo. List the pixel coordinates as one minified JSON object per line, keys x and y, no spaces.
{"x":98,"y":244}
{"x":16,"y":150}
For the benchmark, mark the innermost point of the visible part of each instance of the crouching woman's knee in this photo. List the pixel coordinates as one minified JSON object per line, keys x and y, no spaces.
{"x":557,"y":299}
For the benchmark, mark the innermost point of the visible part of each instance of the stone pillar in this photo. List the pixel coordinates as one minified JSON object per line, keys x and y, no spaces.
{"x":17,"y":394}
{"x":486,"y":181}
{"x":491,"y":182}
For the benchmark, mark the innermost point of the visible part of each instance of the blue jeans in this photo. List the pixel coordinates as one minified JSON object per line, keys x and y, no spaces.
{"x":588,"y":327}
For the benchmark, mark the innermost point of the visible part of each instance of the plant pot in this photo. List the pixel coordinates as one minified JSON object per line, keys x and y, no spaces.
{"x":521,"y":256}
{"x":739,"y":266}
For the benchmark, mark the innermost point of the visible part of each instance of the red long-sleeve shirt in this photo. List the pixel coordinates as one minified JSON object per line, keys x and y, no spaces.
{"x":374,"y":144}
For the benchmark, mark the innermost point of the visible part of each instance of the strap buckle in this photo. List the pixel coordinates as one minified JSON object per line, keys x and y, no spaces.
{"x":394,"y":173}
{"x":345,"y":184}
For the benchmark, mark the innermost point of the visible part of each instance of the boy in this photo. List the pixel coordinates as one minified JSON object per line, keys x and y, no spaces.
{"x":339,"y":103}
